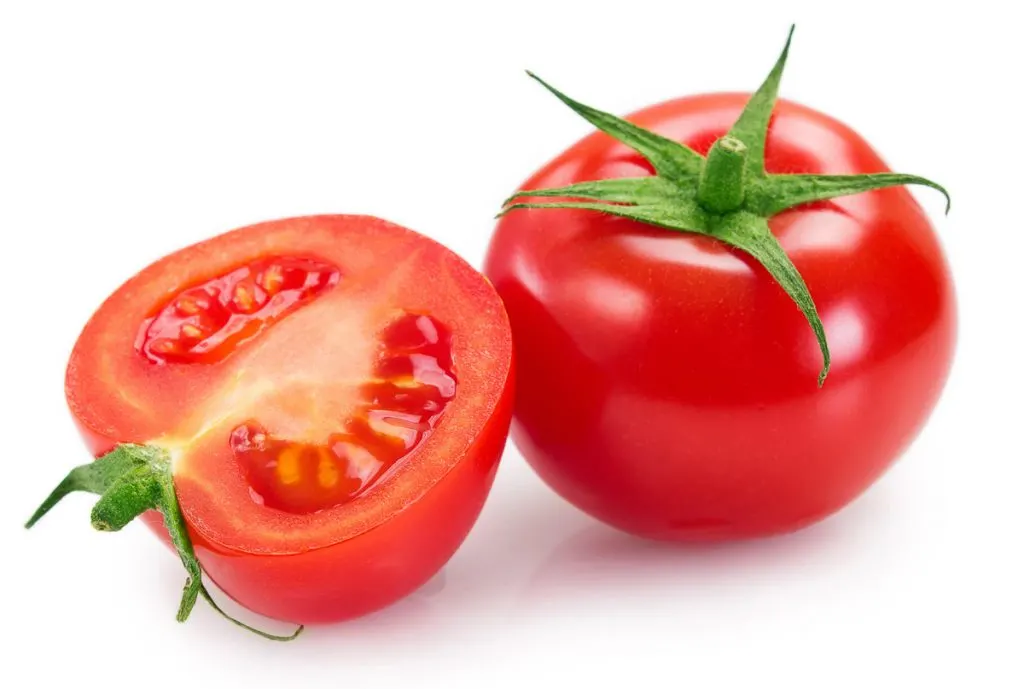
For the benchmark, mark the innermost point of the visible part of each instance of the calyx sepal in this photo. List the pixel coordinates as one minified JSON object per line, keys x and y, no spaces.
{"x":727,"y":195}
{"x":130,"y":480}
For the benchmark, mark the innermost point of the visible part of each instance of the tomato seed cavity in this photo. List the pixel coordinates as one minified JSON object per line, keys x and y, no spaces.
{"x":205,"y":323}
{"x":413,"y":383}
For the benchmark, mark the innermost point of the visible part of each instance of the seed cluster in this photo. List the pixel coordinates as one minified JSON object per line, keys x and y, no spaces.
{"x":413,"y":382}
{"x":207,"y":322}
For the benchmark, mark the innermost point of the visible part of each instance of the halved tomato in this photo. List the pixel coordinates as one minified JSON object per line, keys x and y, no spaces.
{"x":330,"y":394}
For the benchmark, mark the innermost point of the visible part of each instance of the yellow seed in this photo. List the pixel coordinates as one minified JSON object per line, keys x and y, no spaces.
{"x":191,"y":331}
{"x":187,"y":306}
{"x":327,"y":471}
{"x":163,"y":346}
{"x":272,"y":279}
{"x":244,"y":299}
{"x":289,"y":471}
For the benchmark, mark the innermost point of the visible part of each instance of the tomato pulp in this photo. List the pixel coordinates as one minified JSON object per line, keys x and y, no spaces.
{"x":334,"y":394}
{"x":667,"y":385}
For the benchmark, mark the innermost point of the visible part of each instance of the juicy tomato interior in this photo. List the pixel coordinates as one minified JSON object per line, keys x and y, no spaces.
{"x":398,"y":408}
{"x":206,"y":322}
{"x":310,"y":377}
{"x":411,"y":385}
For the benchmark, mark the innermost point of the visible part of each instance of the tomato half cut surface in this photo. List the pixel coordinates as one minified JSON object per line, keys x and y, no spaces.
{"x":332,"y":394}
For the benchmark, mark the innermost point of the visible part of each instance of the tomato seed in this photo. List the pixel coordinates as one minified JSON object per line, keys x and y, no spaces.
{"x":248,"y":298}
{"x":164,"y":346}
{"x":327,"y":473}
{"x":191,"y":332}
{"x":187,"y":306}
{"x":272,"y":279}
{"x":289,"y":471}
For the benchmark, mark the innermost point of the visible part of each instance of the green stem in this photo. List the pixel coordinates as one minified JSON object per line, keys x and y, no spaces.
{"x":729,"y":196}
{"x":721,"y":186}
{"x":130,"y":480}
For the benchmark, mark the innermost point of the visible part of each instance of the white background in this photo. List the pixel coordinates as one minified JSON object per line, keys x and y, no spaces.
{"x":129,"y":132}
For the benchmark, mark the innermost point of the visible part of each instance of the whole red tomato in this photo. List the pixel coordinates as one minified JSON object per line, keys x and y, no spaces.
{"x":667,"y":383}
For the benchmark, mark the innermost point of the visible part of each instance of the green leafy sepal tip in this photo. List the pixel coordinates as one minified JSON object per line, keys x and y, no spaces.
{"x":727,"y":195}
{"x":130,"y":480}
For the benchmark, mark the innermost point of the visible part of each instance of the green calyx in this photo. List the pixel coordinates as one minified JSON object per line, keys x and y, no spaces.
{"x":130,"y":480}
{"x":728,"y":195}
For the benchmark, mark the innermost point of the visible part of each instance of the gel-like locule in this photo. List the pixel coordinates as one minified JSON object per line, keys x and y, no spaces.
{"x":207,"y":322}
{"x":413,"y":383}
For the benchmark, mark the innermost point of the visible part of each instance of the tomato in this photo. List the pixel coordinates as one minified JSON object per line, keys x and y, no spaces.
{"x":668,"y":386}
{"x":333,"y":394}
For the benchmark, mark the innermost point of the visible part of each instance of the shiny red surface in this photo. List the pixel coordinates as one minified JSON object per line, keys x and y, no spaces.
{"x":667,"y":385}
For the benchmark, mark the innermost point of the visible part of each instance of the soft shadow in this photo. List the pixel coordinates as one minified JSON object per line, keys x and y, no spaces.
{"x":595,"y":559}
{"x":518,"y":528}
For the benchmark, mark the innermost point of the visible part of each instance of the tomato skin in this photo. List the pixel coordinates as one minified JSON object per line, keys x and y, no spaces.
{"x":667,"y":385}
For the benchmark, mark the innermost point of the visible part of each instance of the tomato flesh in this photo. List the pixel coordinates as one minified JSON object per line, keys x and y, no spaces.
{"x":397,"y":411}
{"x":206,"y":322}
{"x":332,"y":452}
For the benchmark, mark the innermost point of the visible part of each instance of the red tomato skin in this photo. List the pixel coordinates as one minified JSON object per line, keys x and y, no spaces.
{"x":364,"y":574}
{"x":666,"y":384}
